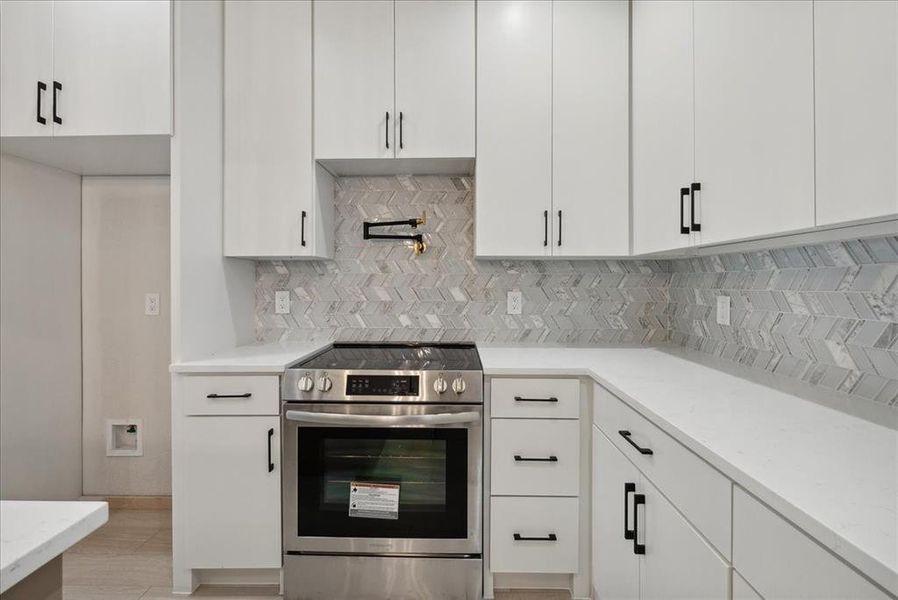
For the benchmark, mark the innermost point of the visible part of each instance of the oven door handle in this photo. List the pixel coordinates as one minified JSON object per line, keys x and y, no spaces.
{"x":318,"y":418}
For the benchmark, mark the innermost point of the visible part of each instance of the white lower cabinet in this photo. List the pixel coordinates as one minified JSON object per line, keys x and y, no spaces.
{"x":231,"y":497}
{"x":642,"y":546}
{"x":534,"y":535}
{"x":535,"y":457}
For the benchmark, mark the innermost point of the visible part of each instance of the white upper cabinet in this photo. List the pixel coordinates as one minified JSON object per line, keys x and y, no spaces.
{"x":590,"y":127}
{"x":662,"y":125}
{"x":107,"y":67}
{"x":272,"y":198}
{"x":754,"y":118}
{"x":354,"y":114}
{"x":26,"y":68}
{"x":514,"y":128}
{"x":856,"y":66}
{"x":434,"y":78}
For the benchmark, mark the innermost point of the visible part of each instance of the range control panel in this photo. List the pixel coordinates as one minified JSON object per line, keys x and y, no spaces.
{"x":382,"y":385}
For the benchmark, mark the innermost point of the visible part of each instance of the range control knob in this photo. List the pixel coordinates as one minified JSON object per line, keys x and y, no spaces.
{"x":325,"y":384}
{"x":459,"y":385}
{"x":305,"y":383}
{"x":440,"y":385}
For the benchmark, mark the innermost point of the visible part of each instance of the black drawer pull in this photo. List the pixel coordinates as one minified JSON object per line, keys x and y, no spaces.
{"x":545,"y":228}
{"x":41,"y":88}
{"x":246,"y":395}
{"x":387,"y":131}
{"x":270,"y":464}
{"x":551,"y":399}
{"x":519,"y":458}
{"x":302,"y":228}
{"x":684,"y":228}
{"x":696,"y":187}
{"x":549,"y":538}
{"x":627,"y":436}
{"x":57,"y":87}
{"x":629,"y":488}
{"x":638,"y":500}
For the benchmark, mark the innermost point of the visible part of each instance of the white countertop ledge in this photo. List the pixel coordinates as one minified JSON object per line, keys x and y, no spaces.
{"x":832,"y":474}
{"x":251,"y":359}
{"x":33,"y":533}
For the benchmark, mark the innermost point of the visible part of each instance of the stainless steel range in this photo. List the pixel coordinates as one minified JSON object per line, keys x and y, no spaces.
{"x":383,"y":473}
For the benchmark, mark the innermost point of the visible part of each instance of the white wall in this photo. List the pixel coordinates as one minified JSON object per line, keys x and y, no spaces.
{"x":40,"y":331}
{"x":124,"y":255}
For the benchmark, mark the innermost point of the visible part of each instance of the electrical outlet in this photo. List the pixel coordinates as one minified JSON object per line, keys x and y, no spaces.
{"x":282,"y":302}
{"x":723,"y":310}
{"x":151,"y":305}
{"x":514,"y":303}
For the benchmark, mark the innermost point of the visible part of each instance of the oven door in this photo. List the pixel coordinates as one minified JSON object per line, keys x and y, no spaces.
{"x":429,"y":454}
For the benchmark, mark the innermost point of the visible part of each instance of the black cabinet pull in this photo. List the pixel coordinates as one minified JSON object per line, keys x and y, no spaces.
{"x":627,"y":436}
{"x":629,"y":488}
{"x":559,"y":227}
{"x":549,"y":538}
{"x":246,"y":395}
{"x":695,"y":187}
{"x":684,"y":229}
{"x":41,"y":88}
{"x":545,"y":228}
{"x":638,"y":500}
{"x":387,"y":131}
{"x":57,"y":87}
{"x":551,"y":399}
{"x":400,"y":131}
{"x":302,"y":229}
{"x":519,"y":458}
{"x":270,"y":464}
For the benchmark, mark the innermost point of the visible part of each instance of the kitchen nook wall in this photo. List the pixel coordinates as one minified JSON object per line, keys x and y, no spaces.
{"x":378,"y":290}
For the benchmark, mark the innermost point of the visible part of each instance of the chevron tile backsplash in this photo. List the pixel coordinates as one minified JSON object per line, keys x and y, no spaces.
{"x":825,"y":314}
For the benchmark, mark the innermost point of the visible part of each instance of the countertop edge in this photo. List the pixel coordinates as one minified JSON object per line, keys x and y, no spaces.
{"x":869,"y":566}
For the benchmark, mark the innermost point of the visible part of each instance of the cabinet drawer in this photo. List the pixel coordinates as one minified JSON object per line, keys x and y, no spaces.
{"x":699,"y":491}
{"x":780,"y":561}
{"x":230,"y":395}
{"x":535,"y":398}
{"x":522,"y":453}
{"x":539,"y":518}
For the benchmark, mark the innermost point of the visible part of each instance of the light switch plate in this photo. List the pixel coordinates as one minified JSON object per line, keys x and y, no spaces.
{"x":282,"y":302}
{"x":151,"y":305}
{"x":723,"y":310}
{"x":514,"y":303}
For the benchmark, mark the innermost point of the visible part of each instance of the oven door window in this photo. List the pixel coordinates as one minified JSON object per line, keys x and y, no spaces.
{"x":428,"y":465}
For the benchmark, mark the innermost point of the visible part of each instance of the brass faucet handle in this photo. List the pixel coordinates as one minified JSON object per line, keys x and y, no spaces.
{"x":422,"y":220}
{"x":419,"y":248}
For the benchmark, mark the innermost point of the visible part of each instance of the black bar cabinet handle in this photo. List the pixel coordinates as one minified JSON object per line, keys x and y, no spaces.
{"x":57,"y":87}
{"x":549,"y":538}
{"x":41,"y":88}
{"x":270,"y":464}
{"x":246,"y":395}
{"x":629,"y":488}
{"x":302,"y":229}
{"x":684,"y":229}
{"x":559,"y":227}
{"x":695,"y":187}
{"x":400,"y":131}
{"x":627,"y":436}
{"x":638,"y":500}
{"x":387,"y":131}
{"x":551,"y":399}
{"x":545,"y":228}
{"x":519,"y":458}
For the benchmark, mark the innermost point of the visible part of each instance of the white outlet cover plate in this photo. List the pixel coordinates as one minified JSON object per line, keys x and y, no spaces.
{"x":151,"y":305}
{"x":282,"y":302}
{"x":514,"y":303}
{"x":723,"y":310}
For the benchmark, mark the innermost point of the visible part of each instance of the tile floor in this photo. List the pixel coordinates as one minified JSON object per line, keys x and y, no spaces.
{"x":129,"y":558}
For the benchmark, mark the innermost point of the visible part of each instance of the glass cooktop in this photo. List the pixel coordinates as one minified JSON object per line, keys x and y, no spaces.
{"x":396,"y":357}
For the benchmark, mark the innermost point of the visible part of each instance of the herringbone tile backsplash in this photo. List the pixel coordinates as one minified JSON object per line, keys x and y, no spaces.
{"x":826,"y":314}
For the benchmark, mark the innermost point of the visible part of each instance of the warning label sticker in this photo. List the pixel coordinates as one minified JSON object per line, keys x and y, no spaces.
{"x":373,"y":500}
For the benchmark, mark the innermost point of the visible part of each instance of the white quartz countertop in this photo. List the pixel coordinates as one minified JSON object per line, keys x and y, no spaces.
{"x":834,"y":475}
{"x":33,"y":533}
{"x":260,"y":358}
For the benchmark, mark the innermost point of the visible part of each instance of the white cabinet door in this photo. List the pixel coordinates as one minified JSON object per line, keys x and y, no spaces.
{"x":354,"y":79}
{"x":615,"y":568}
{"x":662,"y":124}
{"x":754,"y":123}
{"x":856,"y":66}
{"x":26,"y":67}
{"x":590,"y":127}
{"x":114,"y":62}
{"x":678,"y":562}
{"x":514,"y":128}
{"x":268,"y":163}
{"x":231,"y":496}
{"x":435,"y":78}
